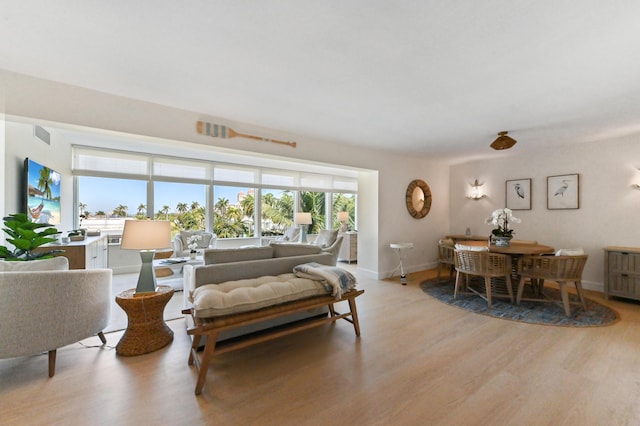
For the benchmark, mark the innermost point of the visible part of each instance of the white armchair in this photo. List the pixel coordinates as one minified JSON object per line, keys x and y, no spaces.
{"x":180,"y":242}
{"x":292,"y":233}
{"x":45,"y":306}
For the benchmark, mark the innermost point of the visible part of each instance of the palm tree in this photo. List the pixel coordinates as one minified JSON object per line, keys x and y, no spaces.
{"x":269,"y":199}
{"x":164,"y":211}
{"x":45,"y":182}
{"x":100,"y":213}
{"x":181,"y":207}
{"x":248,"y":205}
{"x":120,"y":211}
{"x":195,"y":205}
{"x":221,"y":206}
{"x":313,"y":202}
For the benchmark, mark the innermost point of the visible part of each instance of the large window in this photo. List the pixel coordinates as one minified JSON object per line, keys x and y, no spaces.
{"x":233,"y":211}
{"x":344,"y":203}
{"x":314,"y":203}
{"x":106,"y":202}
{"x":277,"y":211}
{"x":184,"y":204}
{"x":231,"y":200}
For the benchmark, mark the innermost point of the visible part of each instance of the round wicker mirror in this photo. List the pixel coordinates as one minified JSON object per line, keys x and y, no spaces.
{"x":418,"y":198}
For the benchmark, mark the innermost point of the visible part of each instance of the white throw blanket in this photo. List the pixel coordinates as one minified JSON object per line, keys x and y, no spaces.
{"x":337,"y":280}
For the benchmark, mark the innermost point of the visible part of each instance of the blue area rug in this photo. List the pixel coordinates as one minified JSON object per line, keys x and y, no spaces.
{"x":549,"y":313}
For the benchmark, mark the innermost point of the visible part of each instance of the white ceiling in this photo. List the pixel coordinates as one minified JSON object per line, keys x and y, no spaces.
{"x":427,"y":77}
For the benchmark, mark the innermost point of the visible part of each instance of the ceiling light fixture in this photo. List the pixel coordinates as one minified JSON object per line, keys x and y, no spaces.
{"x":503,"y":141}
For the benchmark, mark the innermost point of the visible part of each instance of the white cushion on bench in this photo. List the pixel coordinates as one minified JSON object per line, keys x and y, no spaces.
{"x":233,"y":297}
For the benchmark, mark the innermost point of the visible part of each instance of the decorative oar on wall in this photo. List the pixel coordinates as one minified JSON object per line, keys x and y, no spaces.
{"x":224,"y":132}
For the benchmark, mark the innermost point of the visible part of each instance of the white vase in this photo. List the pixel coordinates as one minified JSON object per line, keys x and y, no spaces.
{"x":192,"y":255}
{"x":502,"y":241}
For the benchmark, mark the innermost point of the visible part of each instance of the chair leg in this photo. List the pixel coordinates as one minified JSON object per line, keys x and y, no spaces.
{"x":520,"y":290}
{"x":102,"y":338}
{"x":487,"y":284}
{"x":509,"y":289}
{"x":455,"y":289}
{"x":565,"y":298}
{"x":541,"y":288}
{"x":439,"y":270}
{"x":52,"y":362}
{"x":581,"y":294}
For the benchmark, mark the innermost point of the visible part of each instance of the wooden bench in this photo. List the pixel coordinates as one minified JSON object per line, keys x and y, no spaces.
{"x":211,"y":327}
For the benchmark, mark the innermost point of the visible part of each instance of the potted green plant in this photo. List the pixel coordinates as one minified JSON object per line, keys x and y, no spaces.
{"x":26,"y":236}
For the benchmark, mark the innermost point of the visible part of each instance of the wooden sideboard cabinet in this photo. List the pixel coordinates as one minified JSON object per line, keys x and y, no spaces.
{"x":349,"y":248}
{"x":622,"y":272}
{"x":91,"y":253}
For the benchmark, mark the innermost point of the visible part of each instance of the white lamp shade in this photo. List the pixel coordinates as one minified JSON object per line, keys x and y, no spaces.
{"x":146,"y":235}
{"x":303,"y":219}
{"x":343,"y":216}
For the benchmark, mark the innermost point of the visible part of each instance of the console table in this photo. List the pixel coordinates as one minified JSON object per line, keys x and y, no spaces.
{"x":90,"y":253}
{"x":349,"y":248}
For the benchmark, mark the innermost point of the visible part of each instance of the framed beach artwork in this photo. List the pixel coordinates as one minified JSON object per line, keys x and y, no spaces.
{"x":42,"y":193}
{"x":518,"y":194}
{"x":563,"y":192}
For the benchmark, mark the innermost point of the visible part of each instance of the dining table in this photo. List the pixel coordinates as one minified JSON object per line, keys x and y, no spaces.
{"x":515,"y":250}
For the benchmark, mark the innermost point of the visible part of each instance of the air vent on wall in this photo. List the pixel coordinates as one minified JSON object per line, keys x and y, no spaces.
{"x":42,"y":134}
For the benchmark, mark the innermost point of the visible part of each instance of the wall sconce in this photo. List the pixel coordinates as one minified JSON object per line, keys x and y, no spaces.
{"x":476,"y":191}
{"x":636,"y":185}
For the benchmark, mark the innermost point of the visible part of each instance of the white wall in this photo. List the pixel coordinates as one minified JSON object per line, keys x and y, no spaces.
{"x":382,"y":216}
{"x":608,"y":213}
{"x":2,"y":161}
{"x":21,"y":143}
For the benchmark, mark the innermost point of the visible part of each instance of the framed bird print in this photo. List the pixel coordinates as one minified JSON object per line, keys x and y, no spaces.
{"x":563,"y":192}
{"x":518,"y":194}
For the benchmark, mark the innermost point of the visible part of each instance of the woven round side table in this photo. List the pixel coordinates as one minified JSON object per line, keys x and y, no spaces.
{"x":146,"y":330}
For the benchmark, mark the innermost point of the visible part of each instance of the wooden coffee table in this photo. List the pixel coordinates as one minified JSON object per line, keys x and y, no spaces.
{"x":146,"y":330}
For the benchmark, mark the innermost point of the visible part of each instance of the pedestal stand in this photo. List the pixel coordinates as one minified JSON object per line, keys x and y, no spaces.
{"x":401,"y":250}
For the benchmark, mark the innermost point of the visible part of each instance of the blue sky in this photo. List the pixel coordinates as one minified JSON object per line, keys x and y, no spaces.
{"x":106,"y":194}
{"x":34,"y":176}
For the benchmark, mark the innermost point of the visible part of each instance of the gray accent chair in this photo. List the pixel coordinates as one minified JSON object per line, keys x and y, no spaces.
{"x":45,"y":306}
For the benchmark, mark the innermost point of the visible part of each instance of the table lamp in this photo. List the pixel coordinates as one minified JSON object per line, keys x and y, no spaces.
{"x":146,"y":236}
{"x":303,"y":219}
{"x":343,"y":218}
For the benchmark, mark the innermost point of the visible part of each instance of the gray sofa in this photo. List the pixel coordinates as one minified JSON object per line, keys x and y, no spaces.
{"x":221,"y":265}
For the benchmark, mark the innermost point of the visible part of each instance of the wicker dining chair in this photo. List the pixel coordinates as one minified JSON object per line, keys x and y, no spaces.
{"x":495,"y":268}
{"x":559,"y":269}
{"x":446,"y":257}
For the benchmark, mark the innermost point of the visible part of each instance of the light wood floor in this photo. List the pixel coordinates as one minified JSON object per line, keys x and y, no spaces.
{"x":417,"y":362}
